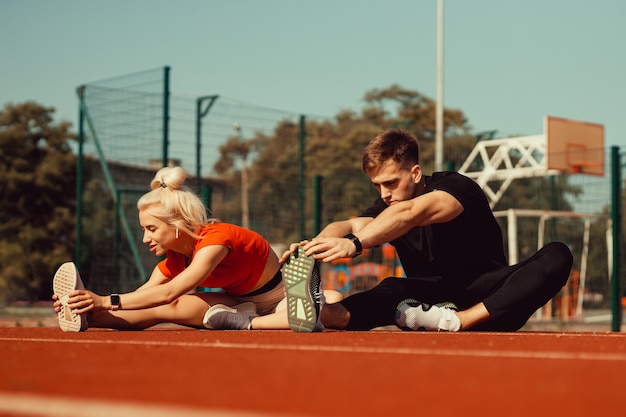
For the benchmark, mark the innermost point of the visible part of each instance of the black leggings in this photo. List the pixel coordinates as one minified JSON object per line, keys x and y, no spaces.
{"x":511,"y":294}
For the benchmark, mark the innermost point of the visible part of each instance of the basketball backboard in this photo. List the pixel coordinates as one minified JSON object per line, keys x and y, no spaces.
{"x":574,"y":147}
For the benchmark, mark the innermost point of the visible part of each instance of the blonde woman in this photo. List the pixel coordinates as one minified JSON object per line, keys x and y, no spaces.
{"x":199,"y":252}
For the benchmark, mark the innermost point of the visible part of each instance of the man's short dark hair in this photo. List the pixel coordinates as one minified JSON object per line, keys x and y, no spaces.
{"x":397,"y":145}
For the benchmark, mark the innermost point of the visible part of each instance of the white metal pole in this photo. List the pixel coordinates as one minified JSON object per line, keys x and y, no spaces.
{"x":512,"y":231}
{"x":439,"y":115}
{"x":583,"y":270}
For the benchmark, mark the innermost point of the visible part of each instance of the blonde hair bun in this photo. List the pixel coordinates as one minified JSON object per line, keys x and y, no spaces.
{"x":174,"y":203}
{"x":172,"y":178}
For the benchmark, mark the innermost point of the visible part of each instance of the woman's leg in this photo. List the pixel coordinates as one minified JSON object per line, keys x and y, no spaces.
{"x":273,"y":321}
{"x":187,"y":310}
{"x":278,"y":320}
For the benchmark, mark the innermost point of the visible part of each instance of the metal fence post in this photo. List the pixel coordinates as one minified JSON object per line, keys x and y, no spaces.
{"x":200,"y":113}
{"x":78,"y":227}
{"x":616,"y":218}
{"x":317,"y":205}
{"x":301,"y":137}
{"x":166,"y":115}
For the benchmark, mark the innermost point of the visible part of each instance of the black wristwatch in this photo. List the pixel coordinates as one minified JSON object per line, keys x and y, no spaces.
{"x":357,"y":244}
{"x":115,"y":302}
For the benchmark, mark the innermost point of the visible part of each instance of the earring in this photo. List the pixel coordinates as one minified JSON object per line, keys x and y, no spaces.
{"x":177,"y":233}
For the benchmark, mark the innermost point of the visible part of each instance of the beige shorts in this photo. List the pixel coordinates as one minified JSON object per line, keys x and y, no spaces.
{"x":267,"y":302}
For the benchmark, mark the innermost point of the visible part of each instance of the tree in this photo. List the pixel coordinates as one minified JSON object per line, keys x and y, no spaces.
{"x":333,"y":151}
{"x":396,"y":106}
{"x":37,"y":193}
{"x":237,"y":146}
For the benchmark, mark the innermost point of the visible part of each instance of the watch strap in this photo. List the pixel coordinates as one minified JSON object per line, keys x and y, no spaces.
{"x":357,"y":244}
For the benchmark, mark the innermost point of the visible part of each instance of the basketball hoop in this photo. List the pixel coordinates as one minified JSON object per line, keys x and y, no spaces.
{"x":574,"y":147}
{"x":584,"y":167}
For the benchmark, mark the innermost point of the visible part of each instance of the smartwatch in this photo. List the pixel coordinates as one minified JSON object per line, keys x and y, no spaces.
{"x":357,"y":244}
{"x":115,"y":302}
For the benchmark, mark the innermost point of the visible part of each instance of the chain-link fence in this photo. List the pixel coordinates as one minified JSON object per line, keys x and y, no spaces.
{"x":133,"y":125}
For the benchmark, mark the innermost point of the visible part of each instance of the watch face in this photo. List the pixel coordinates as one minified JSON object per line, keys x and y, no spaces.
{"x":115,"y":299}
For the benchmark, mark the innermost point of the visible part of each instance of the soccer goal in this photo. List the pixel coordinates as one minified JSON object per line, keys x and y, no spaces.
{"x":579,"y":226}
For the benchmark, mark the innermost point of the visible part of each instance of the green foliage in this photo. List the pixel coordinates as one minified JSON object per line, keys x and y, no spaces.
{"x":333,"y":151}
{"x":98,"y":225}
{"x":274,"y":184}
{"x":37,"y":191}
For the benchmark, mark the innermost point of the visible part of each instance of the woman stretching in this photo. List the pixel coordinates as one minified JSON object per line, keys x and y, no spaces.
{"x":199,"y":252}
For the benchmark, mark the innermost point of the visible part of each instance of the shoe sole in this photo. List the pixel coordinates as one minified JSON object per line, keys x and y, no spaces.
{"x":66,"y":280}
{"x":302,"y":310}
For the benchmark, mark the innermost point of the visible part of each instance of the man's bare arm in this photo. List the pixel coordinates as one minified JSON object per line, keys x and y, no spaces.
{"x":395,"y":221}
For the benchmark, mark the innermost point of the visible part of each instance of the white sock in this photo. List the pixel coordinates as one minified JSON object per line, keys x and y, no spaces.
{"x":449,"y":320}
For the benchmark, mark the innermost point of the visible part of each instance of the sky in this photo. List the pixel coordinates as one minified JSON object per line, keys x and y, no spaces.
{"x":507,"y":63}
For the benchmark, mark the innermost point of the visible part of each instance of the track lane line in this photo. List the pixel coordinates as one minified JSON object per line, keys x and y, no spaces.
{"x":56,"y":406}
{"x":524,"y":354}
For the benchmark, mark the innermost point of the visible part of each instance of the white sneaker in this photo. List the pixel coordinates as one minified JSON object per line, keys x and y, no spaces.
{"x":66,"y":280}
{"x":415,"y":315}
{"x":222,"y":317}
{"x":305,"y":295}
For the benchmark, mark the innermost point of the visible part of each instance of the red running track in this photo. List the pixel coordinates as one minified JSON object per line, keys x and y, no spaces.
{"x":184,"y":373}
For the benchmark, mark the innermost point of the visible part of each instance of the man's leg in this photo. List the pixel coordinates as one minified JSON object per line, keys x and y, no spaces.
{"x":529,"y":285}
{"x":473,"y":316}
{"x":335,"y":316}
{"x":510,"y":296}
{"x":376,"y":307}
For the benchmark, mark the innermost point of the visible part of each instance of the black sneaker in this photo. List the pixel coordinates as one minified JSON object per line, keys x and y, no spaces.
{"x":305,"y":295}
